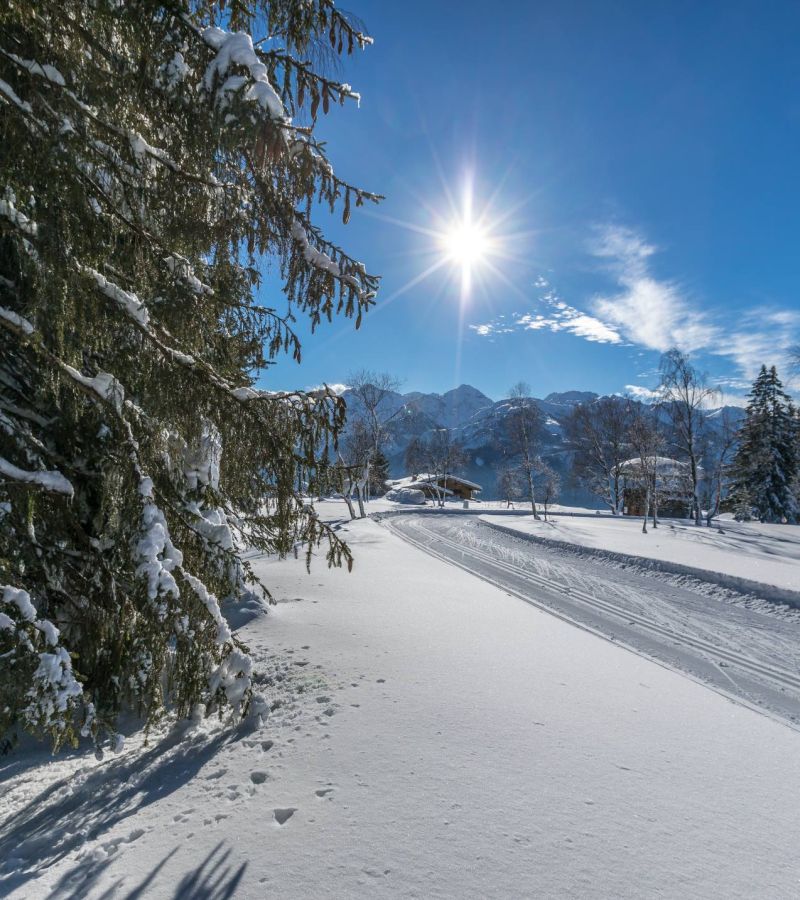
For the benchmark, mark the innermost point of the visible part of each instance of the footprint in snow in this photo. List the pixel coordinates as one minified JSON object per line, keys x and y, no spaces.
{"x":282,"y":815}
{"x":323,"y":792}
{"x":258,"y":777}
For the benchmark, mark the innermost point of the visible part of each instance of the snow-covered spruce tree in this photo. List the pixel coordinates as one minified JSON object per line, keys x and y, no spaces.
{"x":766,"y":463}
{"x":151,"y":160}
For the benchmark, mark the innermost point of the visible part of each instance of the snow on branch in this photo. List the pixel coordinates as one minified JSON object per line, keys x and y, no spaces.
{"x":53,"y":481}
{"x":182,"y":269}
{"x":236,"y":49}
{"x":48,"y":72}
{"x":103,"y":384}
{"x":324,"y":263}
{"x":16,"y":321}
{"x":211,"y":603}
{"x":127,"y":300}
{"x":156,"y":554}
{"x":9,"y":211}
{"x":312,"y":256}
{"x":55,"y":688}
{"x":7,"y":91}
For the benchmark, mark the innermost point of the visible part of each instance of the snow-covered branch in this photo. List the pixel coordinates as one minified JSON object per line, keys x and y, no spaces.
{"x":53,"y":481}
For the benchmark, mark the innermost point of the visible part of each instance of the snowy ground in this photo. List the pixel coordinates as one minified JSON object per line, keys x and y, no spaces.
{"x":768,"y":554}
{"x":740,"y":644}
{"x":432,"y":737}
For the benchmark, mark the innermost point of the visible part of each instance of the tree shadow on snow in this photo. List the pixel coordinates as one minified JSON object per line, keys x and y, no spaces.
{"x":215,"y":878}
{"x":78,"y":811}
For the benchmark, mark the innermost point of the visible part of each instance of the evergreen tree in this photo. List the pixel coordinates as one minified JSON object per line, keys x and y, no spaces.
{"x":766,"y":463}
{"x":152,"y":159}
{"x":378,"y":473}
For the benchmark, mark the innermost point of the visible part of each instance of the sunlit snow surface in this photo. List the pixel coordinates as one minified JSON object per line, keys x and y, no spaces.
{"x":432,"y":736}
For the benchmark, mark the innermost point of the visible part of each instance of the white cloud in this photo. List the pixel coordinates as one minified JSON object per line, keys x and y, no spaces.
{"x":623,"y":246}
{"x":638,"y":392}
{"x":583,"y":325}
{"x":337,"y":388}
{"x":491,"y":328}
{"x":560,"y":316}
{"x":762,"y":336}
{"x":647,"y":311}
{"x":656,"y":314}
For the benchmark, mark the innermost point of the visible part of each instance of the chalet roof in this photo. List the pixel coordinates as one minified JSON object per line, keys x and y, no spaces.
{"x":425,"y":478}
{"x":663,"y":465}
{"x":454,"y":479}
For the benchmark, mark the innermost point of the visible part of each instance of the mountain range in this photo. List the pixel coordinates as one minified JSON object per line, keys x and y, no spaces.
{"x":476,"y":422}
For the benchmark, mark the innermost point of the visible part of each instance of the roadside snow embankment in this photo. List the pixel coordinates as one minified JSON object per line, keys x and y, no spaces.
{"x":744,"y":556}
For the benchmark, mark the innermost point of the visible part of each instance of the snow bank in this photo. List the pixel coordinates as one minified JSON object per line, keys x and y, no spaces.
{"x":747,"y":557}
{"x":406,"y":495}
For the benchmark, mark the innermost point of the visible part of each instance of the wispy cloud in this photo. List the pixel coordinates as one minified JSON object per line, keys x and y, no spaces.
{"x":554,"y":315}
{"x":762,"y":335}
{"x":647,"y":311}
{"x":656,"y":314}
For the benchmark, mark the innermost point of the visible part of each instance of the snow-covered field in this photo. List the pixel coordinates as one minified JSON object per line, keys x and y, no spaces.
{"x":431,"y":737}
{"x":767,"y":554}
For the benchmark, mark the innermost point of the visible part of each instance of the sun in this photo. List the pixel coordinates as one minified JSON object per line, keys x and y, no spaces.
{"x":466,"y":244}
{"x":466,"y":239}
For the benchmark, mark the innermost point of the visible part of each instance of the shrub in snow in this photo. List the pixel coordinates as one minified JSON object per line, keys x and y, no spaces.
{"x":406,"y":495}
{"x":150,"y":162}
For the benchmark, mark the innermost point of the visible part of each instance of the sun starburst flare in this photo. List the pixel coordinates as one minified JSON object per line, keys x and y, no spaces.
{"x":462,"y":243}
{"x":467,"y":245}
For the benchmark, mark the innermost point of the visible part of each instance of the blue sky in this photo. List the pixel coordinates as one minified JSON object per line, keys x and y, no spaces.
{"x":636,"y":170}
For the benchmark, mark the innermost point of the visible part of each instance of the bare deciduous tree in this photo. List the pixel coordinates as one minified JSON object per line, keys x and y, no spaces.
{"x":549,"y":485}
{"x":646,"y":440}
{"x":524,"y":428}
{"x":373,"y":390}
{"x":719,"y":453}
{"x":684,"y":396}
{"x":414,"y":458}
{"x":509,"y":485}
{"x":355,"y":455}
{"x":597,"y":434}
{"x":443,"y":457}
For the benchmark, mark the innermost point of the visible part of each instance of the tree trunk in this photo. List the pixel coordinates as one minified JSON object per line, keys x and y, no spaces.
{"x":646,"y":508}
{"x":613,"y":494}
{"x":531,"y":494}
{"x":695,"y":498}
{"x":713,"y":510}
{"x":654,"y":503}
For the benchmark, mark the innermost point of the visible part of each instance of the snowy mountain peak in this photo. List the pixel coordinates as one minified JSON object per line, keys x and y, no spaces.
{"x":570,"y":398}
